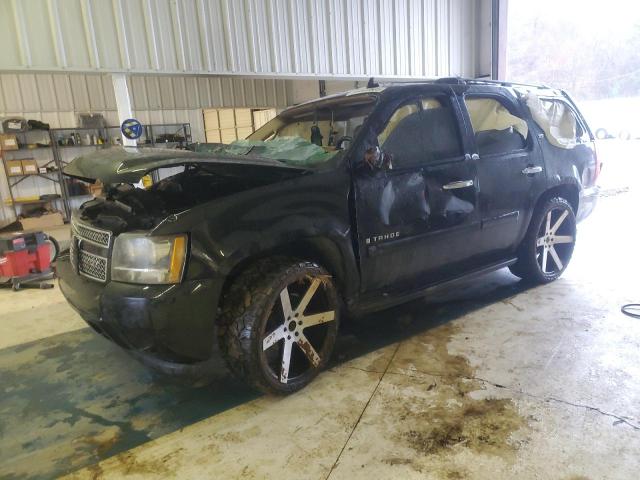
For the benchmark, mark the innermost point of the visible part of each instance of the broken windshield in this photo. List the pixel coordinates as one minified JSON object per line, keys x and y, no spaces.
{"x":331,"y":124}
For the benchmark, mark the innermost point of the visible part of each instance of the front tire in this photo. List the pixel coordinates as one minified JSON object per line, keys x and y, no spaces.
{"x":279,"y":324}
{"x":548,"y":245}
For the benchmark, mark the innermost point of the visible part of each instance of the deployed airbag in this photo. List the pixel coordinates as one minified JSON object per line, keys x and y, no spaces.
{"x":555,"y":118}
{"x":488,"y":114}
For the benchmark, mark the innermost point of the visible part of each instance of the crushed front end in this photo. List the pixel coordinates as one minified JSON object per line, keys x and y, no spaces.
{"x":171,"y":322}
{"x":144,"y":268}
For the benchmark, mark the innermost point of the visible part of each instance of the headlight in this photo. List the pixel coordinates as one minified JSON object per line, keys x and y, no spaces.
{"x":148,"y":259}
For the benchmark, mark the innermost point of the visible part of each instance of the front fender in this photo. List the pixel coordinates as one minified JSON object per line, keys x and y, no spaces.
{"x":306,"y":216}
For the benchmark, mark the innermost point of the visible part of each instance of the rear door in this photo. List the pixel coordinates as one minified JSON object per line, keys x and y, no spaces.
{"x":418,"y":221}
{"x":510,"y":168}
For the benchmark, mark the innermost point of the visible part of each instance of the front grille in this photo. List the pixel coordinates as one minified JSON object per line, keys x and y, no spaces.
{"x":73,"y":252}
{"x":93,"y":235}
{"x":92,"y":266}
{"x":90,"y":251}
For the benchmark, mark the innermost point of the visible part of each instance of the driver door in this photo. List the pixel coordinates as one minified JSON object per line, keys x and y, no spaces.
{"x":417,"y":222}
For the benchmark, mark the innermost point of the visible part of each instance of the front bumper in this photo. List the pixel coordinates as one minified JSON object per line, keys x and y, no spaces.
{"x":173,"y":322}
{"x":587,"y":202}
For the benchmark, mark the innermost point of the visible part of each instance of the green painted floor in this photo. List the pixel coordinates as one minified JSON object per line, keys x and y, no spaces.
{"x":73,"y":399}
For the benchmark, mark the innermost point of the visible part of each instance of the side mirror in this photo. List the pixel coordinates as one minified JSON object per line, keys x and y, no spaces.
{"x":377,"y":159}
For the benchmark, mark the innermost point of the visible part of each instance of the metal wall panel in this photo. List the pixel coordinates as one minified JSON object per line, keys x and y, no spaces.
{"x":57,"y":98}
{"x":62,"y":96}
{"x":331,"y":38}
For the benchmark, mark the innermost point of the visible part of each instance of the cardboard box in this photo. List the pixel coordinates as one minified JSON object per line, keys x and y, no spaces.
{"x":244,"y":117}
{"x":244,"y":132}
{"x":226,"y":118}
{"x":211,"y":119}
{"x":14,"y":167}
{"x":228,"y":135}
{"x":52,"y":219}
{"x":213,"y":136}
{"x":96,"y":188}
{"x":8,"y":142}
{"x":29,"y":166}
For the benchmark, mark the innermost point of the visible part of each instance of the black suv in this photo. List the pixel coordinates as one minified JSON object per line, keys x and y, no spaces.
{"x":350,"y":203}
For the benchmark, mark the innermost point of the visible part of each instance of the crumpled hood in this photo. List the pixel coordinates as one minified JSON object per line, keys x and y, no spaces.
{"x":129,"y":164}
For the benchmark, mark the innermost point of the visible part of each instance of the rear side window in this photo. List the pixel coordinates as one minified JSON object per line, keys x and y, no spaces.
{"x":421,"y":132}
{"x":561,"y":127}
{"x":496,"y":129}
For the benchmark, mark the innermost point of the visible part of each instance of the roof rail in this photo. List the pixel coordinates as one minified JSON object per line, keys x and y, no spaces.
{"x":482,"y":81}
{"x":470,"y":81}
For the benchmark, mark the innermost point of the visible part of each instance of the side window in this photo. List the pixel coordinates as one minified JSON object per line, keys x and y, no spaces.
{"x":418,"y":133}
{"x":401,"y":136}
{"x":561,"y":127}
{"x":396,"y":119}
{"x":440,"y":131}
{"x":566,"y":126}
{"x":497,"y":131}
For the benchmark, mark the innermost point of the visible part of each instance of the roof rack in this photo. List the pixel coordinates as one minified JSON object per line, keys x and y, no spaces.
{"x":471,"y":81}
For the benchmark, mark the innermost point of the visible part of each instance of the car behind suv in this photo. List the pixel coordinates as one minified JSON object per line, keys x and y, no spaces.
{"x":349,"y":203}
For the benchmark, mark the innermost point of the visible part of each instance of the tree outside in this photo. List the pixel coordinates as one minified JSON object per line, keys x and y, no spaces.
{"x":590,"y":48}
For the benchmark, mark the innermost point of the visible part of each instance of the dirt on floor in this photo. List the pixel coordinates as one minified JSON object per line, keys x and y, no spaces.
{"x":455,"y":414}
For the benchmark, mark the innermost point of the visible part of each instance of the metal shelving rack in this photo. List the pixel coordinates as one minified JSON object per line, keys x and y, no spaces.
{"x":54,"y":173}
{"x":150,"y":135}
{"x":83,"y":138}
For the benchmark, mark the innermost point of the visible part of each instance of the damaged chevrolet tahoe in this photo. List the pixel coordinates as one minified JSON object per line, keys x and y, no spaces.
{"x":350,"y":203}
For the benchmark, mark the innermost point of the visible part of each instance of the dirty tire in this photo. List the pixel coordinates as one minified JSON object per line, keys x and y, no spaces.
{"x":256,"y":333}
{"x":552,"y":228}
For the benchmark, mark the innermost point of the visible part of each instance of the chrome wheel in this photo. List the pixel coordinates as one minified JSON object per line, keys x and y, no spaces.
{"x":295,"y":338}
{"x":554,"y":243}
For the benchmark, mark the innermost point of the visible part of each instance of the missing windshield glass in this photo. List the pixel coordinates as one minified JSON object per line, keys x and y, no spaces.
{"x":331,"y":123}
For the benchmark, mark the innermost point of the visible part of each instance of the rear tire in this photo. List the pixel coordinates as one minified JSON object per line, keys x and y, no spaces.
{"x":548,"y":245}
{"x":279,"y":324}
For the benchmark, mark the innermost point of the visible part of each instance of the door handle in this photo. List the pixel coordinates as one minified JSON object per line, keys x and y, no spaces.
{"x":458,"y":184}
{"x":531,"y":170}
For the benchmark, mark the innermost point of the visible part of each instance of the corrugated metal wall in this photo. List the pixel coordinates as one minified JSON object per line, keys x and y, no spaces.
{"x":54,"y":53}
{"x":343,"y":38}
{"x":58,"y":99}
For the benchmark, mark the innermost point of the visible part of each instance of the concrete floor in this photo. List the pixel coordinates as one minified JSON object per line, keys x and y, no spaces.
{"x":493,"y":381}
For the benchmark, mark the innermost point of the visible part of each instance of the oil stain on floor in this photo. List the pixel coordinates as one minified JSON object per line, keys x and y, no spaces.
{"x":453,"y":416}
{"x":74,"y":399}
{"x":431,"y":409}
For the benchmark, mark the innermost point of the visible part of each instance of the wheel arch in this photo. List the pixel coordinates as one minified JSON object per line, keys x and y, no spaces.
{"x":569,"y":192}
{"x":337,"y":259}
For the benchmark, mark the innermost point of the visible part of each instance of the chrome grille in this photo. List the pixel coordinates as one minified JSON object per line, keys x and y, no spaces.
{"x":73,"y":252}
{"x":89,"y":251}
{"x":93,"y":235}
{"x":92,"y":266}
